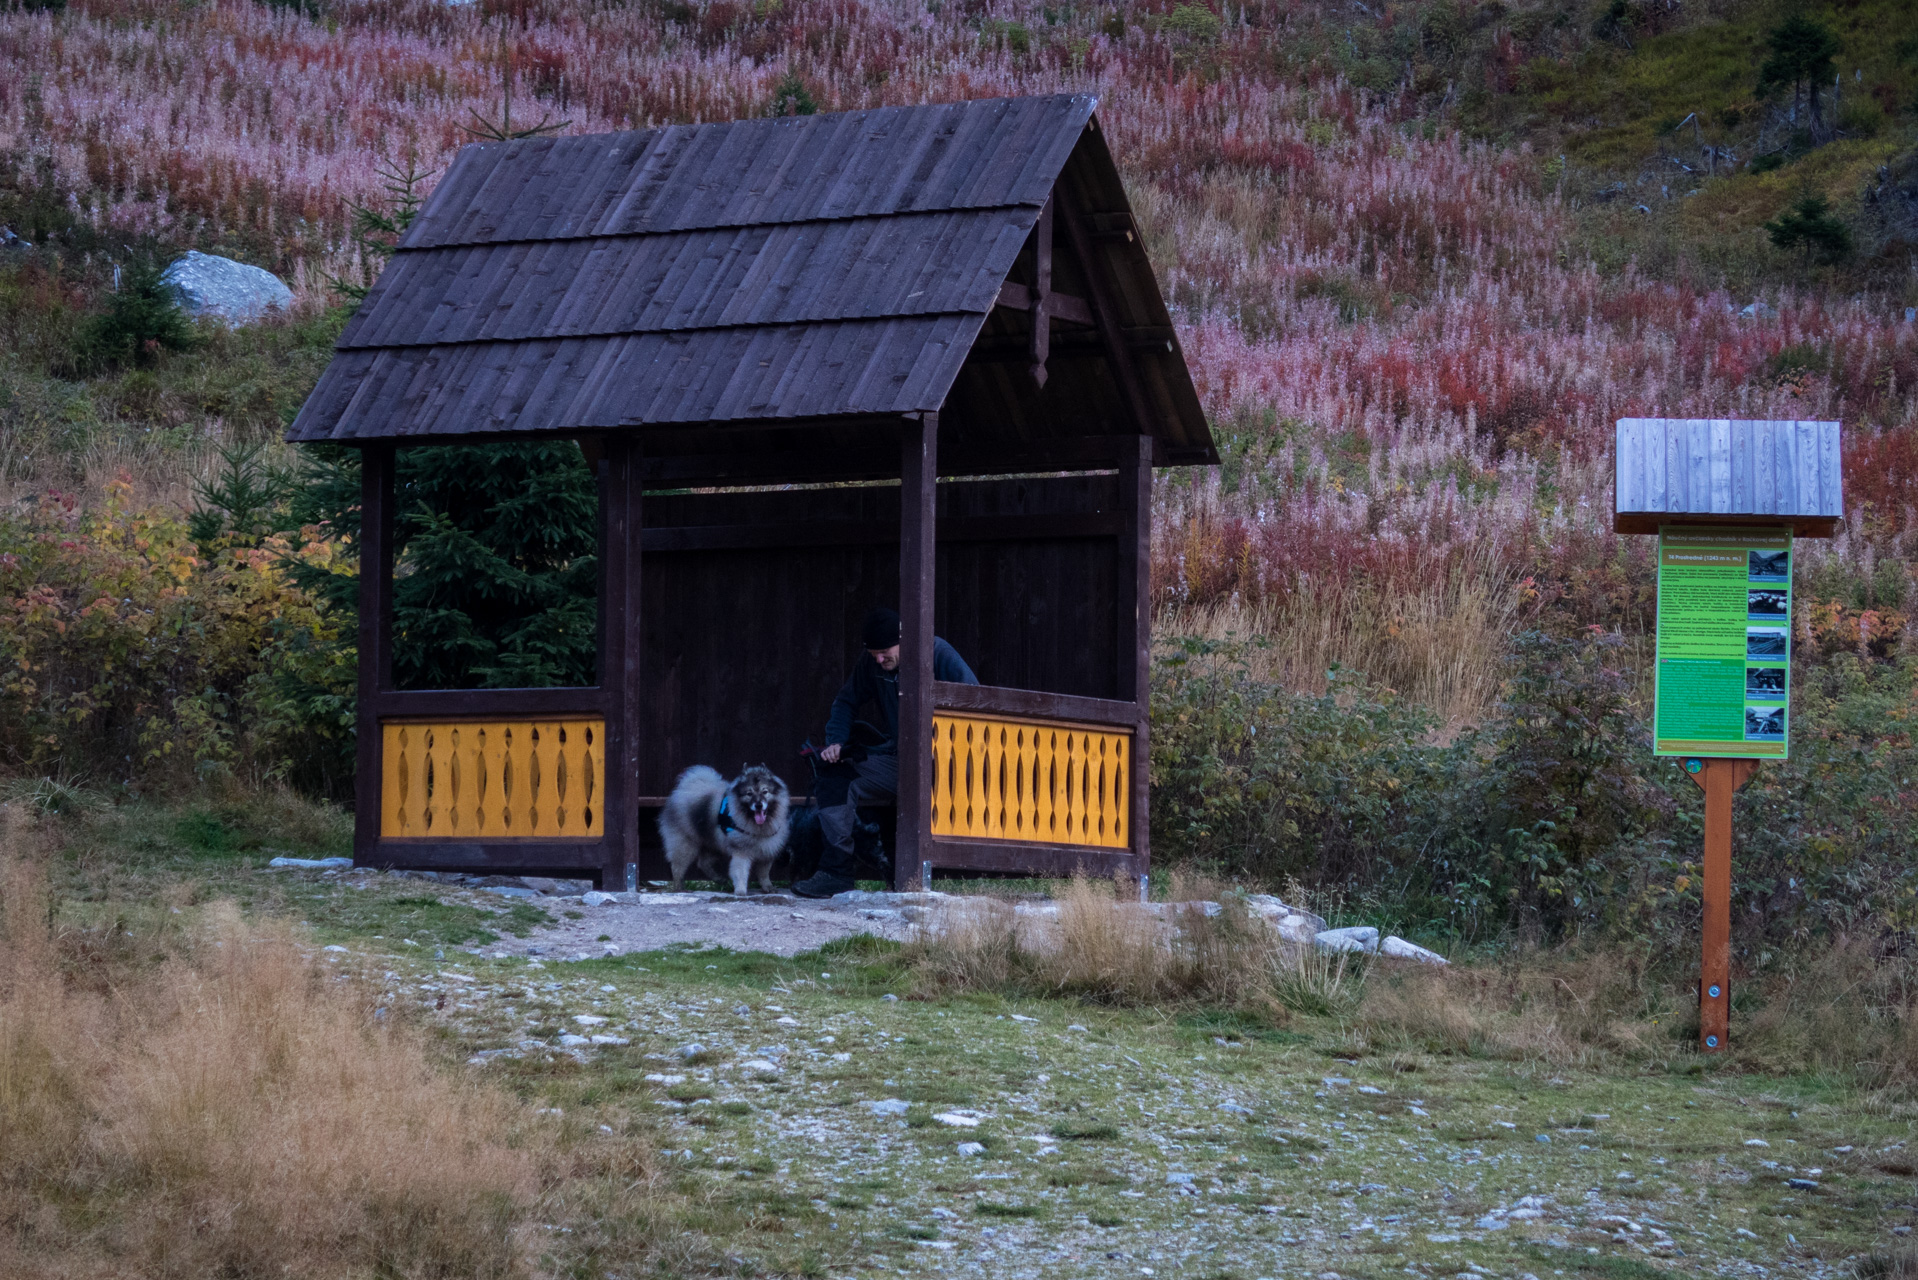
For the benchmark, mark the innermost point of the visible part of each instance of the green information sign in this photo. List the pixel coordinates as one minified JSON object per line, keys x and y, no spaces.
{"x":1724,"y":642}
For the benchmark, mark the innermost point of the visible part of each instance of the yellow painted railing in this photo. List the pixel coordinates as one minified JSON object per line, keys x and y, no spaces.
{"x":999,"y":778}
{"x":499,"y":780}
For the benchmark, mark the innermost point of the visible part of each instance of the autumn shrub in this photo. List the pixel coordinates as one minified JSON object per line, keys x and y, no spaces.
{"x":130,"y":653}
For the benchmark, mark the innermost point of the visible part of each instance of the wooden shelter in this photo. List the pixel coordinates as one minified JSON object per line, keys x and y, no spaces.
{"x":909,"y":356}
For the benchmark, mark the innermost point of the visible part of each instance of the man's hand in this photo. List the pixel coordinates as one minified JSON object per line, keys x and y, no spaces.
{"x":830,"y":752}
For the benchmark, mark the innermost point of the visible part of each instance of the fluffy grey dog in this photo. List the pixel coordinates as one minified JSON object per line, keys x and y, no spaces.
{"x":712,"y":822}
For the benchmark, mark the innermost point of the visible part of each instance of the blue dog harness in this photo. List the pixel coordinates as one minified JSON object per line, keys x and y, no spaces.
{"x":725,"y":822}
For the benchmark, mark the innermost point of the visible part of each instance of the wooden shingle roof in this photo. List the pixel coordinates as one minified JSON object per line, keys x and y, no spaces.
{"x":828,"y":271}
{"x":1728,"y":471}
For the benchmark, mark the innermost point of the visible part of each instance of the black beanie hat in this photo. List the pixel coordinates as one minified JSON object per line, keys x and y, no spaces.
{"x":881,"y":630}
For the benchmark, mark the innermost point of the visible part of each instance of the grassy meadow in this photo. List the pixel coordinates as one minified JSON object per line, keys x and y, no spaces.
{"x":211,"y":1067}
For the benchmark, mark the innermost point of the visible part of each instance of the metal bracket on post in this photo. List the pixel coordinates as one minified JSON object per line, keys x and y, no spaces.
{"x":925,"y":877}
{"x":1143,"y":888}
{"x":1718,"y":777}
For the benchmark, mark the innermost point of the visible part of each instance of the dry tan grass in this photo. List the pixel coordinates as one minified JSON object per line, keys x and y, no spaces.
{"x":1558,"y":1009}
{"x":1103,"y":945}
{"x":1442,"y":646}
{"x":233,"y":1110}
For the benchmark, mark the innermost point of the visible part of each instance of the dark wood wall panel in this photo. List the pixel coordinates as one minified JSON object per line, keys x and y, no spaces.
{"x":743,"y":649}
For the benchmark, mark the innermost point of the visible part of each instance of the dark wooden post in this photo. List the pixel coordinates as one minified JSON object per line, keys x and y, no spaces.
{"x":1135,"y":632}
{"x":375,"y":640}
{"x":1719,"y":777}
{"x":620,"y":489}
{"x":918,"y":497}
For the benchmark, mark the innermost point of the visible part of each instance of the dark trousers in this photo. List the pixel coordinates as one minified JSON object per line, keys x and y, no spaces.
{"x":877,"y":783}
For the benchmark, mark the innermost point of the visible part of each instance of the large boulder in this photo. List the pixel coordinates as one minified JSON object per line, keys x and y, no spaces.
{"x":210,"y":285}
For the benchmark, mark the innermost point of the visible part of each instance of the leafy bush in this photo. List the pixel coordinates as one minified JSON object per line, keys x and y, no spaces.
{"x":1554,"y":818}
{"x":1262,"y":782}
{"x":127,"y":652}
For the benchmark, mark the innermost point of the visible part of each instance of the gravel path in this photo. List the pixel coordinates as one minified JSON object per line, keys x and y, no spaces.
{"x":778,"y":923}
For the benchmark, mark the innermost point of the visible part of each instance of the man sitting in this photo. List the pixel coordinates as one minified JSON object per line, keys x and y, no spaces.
{"x":875,"y":680}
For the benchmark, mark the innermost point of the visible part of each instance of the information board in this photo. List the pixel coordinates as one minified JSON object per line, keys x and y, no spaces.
{"x":1724,"y":642}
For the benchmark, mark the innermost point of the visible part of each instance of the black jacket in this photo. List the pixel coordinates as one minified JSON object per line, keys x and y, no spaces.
{"x":869,"y":684}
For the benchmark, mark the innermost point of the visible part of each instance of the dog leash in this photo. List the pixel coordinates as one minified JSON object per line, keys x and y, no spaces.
{"x":725,"y":821}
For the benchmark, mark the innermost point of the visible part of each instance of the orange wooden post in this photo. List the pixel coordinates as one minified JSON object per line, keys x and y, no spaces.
{"x":1719,"y":776}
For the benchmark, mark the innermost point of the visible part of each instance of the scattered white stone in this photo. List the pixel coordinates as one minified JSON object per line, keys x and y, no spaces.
{"x":760,"y":1067}
{"x":1075,"y":1027}
{"x":971,"y":1149}
{"x":1399,"y":949}
{"x":691,"y":1050}
{"x":1492,"y":1222}
{"x":589,"y":1019}
{"x":594,"y":898}
{"x":311,"y":864}
{"x":1020,"y":1017}
{"x":1370,"y":1088}
{"x":1358,"y":937}
{"x":889,"y":1107}
{"x":658,"y":1078}
{"x":786,"y":1022}
{"x":335,"y":947}
{"x":1756,"y":1142}
{"x":959,"y":1119}
{"x":232,"y":291}
{"x":613,"y":1040}
{"x":1419,"y":1111}
{"x":1178,"y":1179}
{"x":571,"y":1041}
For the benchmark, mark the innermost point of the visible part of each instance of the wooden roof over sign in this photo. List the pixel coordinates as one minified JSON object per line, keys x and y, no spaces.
{"x":1728,"y":471}
{"x":829,"y":273}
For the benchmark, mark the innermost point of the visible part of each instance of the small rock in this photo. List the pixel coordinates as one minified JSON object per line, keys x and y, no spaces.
{"x":1545,"y":1138}
{"x":1020,"y":1017}
{"x":1361,"y":937}
{"x":1399,"y":949}
{"x":1419,"y":1111}
{"x":1370,"y":1088}
{"x":335,"y":947}
{"x":614,"y":1040}
{"x":1178,"y":1179}
{"x":509,"y":891}
{"x":589,"y":1019}
{"x":958,"y":1119}
{"x":658,"y":1078}
{"x":760,"y":1067}
{"x":1334,"y":1081}
{"x":1235,"y":1108}
{"x":232,"y":291}
{"x":971,"y":1149}
{"x":889,"y":996}
{"x":1492,"y":1222}
{"x":690,"y":1050}
{"x":889,"y":1107}
{"x":1756,"y":1142}
{"x":1075,"y":1027}
{"x":594,"y":898}
{"x":1372,"y":1188}
{"x":311,"y":864}
{"x":786,"y":1021}
{"x":572,"y":1041}
{"x":1801,"y":1184}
